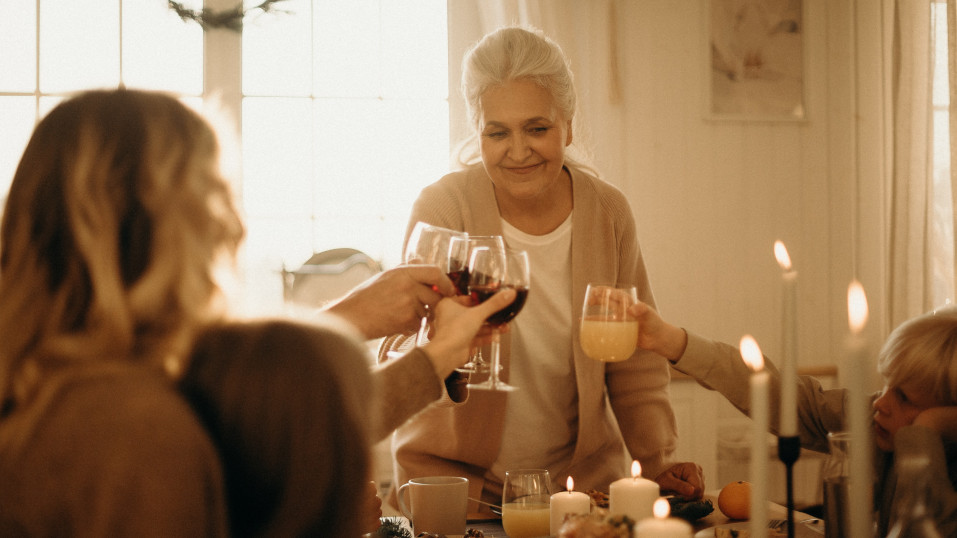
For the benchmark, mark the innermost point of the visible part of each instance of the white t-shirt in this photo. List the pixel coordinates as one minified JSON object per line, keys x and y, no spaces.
{"x":541,"y":417}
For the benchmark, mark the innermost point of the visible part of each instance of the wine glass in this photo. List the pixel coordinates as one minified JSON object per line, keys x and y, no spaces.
{"x":608,"y":332}
{"x":490,"y":272}
{"x":525,"y":503}
{"x":430,"y":244}
{"x":460,"y":253}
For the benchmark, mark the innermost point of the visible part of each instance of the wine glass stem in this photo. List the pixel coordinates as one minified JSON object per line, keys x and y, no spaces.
{"x":423,"y":332}
{"x":496,"y":357}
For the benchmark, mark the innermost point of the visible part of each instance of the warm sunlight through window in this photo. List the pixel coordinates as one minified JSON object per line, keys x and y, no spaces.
{"x":942,"y":227}
{"x":344,"y":114}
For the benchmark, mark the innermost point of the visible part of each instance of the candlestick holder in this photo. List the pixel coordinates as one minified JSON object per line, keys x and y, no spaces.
{"x":789,"y":450}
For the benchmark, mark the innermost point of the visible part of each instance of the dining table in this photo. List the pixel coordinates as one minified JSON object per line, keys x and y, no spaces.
{"x":805,"y":526}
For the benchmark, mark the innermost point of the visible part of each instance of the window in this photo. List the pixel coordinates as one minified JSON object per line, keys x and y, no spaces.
{"x":941,"y":238}
{"x":344,"y":110}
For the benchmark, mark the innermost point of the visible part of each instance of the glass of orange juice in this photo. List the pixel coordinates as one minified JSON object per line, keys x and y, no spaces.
{"x":525,"y":503}
{"x":608,"y":333}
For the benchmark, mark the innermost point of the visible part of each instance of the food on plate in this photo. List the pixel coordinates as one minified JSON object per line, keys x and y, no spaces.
{"x":596,"y":525}
{"x":685,"y":509}
{"x":734,"y":500}
{"x":690,"y":511}
{"x":741,"y":531}
{"x":599,"y":499}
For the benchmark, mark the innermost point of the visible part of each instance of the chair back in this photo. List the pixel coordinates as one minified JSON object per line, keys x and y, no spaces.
{"x":327,"y":275}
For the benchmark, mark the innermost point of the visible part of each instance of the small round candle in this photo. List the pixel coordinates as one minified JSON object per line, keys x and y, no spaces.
{"x":662,"y":526}
{"x":634,"y":497}
{"x":568,"y":502}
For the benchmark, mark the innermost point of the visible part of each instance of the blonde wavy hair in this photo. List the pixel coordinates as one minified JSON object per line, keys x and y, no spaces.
{"x":113,"y":227}
{"x":923,"y":350}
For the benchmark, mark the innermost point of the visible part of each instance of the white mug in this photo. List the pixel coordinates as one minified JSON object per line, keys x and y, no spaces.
{"x":438,"y":504}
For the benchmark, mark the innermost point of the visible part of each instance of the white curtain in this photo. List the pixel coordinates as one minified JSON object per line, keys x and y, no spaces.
{"x":914,"y":244}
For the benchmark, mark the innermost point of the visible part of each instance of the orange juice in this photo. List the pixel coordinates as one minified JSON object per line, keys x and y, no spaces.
{"x":526,"y":520}
{"x":609,"y":340}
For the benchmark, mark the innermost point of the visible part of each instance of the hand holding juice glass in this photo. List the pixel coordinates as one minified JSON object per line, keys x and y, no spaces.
{"x":608,"y":333}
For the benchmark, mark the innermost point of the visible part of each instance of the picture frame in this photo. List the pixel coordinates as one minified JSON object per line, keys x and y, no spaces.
{"x":756,"y":60}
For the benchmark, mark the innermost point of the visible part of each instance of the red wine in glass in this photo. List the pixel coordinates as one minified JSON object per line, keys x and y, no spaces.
{"x":503,"y":316}
{"x":460,"y":279}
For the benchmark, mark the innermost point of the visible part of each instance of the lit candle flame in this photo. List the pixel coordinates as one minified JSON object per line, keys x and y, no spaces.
{"x":856,"y":307}
{"x":751,"y":353}
{"x":781,"y":253}
{"x":661,"y":508}
{"x":635,"y":469}
{"x":570,"y":484}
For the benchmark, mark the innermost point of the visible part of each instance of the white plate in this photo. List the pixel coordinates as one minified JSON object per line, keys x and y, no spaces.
{"x":812,"y":529}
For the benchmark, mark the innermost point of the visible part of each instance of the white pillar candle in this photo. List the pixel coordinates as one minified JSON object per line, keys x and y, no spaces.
{"x":752,"y":356}
{"x":662,"y":526}
{"x":564,"y":503}
{"x":860,"y":519}
{"x":634,"y":497}
{"x":787,"y":427}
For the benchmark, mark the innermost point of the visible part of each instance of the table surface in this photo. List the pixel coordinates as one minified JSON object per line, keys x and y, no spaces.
{"x":491,"y":527}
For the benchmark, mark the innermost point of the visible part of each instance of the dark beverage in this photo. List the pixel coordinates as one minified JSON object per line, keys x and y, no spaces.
{"x":503,"y":316}
{"x":835,"y":507}
{"x":460,"y":279}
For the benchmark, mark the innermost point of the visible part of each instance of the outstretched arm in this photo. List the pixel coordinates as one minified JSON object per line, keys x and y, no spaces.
{"x":394,"y":301}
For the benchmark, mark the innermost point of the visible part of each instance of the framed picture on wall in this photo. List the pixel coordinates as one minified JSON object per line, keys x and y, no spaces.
{"x":756,"y":60}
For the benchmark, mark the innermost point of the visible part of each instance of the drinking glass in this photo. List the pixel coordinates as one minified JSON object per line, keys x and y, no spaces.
{"x":490,"y":272}
{"x":525,"y":503}
{"x":608,"y":333}
{"x":430,"y":244}
{"x":461,"y":251}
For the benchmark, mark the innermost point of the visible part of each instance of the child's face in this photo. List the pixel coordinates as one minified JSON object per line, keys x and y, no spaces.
{"x":898,"y":407}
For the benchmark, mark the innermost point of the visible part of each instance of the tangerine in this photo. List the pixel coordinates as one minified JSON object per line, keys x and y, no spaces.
{"x":735,"y":500}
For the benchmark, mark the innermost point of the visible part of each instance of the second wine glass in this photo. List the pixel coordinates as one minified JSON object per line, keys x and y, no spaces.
{"x":490,"y":272}
{"x":461,"y":251}
{"x":430,"y":244}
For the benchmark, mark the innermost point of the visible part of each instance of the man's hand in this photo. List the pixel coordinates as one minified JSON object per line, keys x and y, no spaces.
{"x":683,"y":479}
{"x":394,"y":301}
{"x":655,"y":334}
{"x":458,"y":327}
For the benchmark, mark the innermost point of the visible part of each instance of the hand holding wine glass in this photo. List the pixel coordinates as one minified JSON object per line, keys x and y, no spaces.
{"x":490,"y":271}
{"x":461,"y":251}
{"x":609,"y":332}
{"x":430,"y":244}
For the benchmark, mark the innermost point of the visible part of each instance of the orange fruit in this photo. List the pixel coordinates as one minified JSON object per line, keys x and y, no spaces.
{"x":734,"y":500}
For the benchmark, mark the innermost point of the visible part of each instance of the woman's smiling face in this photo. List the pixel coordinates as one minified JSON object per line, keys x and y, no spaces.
{"x":523,"y":138}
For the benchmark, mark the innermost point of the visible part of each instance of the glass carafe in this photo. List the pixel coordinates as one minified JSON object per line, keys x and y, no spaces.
{"x":835,"y":473}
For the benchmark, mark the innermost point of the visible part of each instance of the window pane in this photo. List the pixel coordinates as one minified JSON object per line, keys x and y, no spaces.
{"x":372,"y":158}
{"x":16,"y":116}
{"x":160,"y":50}
{"x":941,"y":92}
{"x":79,"y":45}
{"x":415,"y":63}
{"x":18,"y":36}
{"x":348,"y":46}
{"x":276,"y":51}
{"x":277,"y":169}
{"x":942,"y":221}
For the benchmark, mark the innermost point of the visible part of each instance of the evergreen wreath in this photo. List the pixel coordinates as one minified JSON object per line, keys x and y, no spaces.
{"x":231,"y":19}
